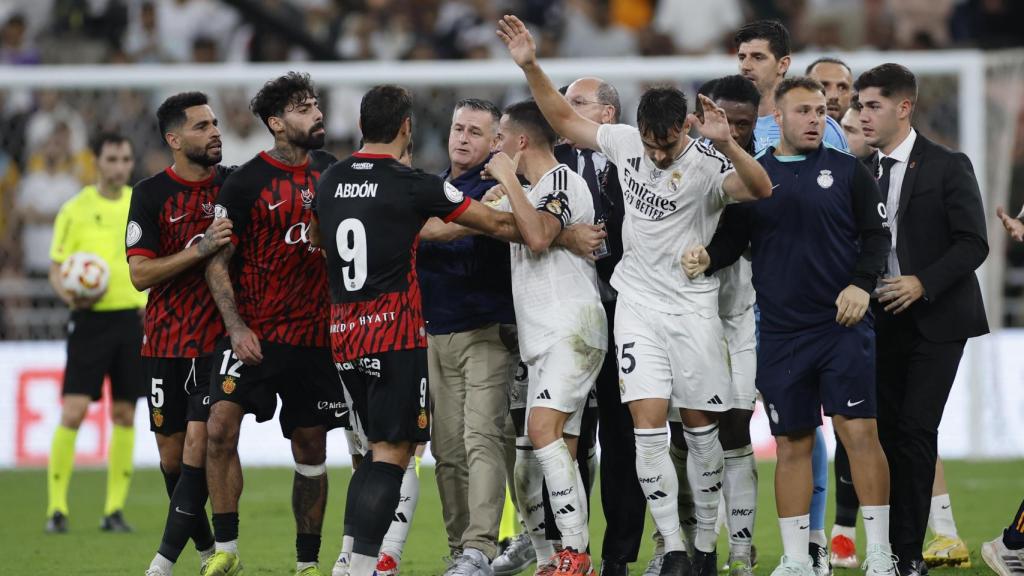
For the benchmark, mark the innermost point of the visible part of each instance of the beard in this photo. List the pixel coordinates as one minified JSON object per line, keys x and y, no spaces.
{"x":203,"y":156}
{"x":308,"y":140}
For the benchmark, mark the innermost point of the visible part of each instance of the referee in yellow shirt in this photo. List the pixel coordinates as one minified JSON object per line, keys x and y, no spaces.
{"x":104,"y":334}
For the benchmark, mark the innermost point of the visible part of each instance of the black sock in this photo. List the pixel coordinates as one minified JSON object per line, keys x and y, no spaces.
{"x":355,"y":488}
{"x":1013,"y":536}
{"x":846,"y":497}
{"x":376,"y":506}
{"x":307,"y":547}
{"x":202,"y":535}
{"x":170,"y":481}
{"x":187,"y":509}
{"x":225,"y":526}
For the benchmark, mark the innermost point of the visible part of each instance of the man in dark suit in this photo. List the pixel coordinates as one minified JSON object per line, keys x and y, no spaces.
{"x":929,"y":303}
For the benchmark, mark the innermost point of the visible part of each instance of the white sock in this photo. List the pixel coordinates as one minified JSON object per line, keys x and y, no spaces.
{"x":848,"y":531}
{"x":584,"y":504}
{"x":876,"y":525}
{"x":941,"y":518}
{"x":818,"y":537}
{"x":739,"y":492}
{"x":796,"y":537}
{"x":162,"y":563}
{"x":564,"y":493}
{"x":658,"y":480}
{"x":398,"y":532}
{"x":704,"y":470}
{"x":230,"y":546}
{"x":300,"y":566}
{"x":204,"y":555}
{"x":530,"y":498}
{"x":720,"y":515}
{"x":686,"y":513}
{"x":362,"y":565}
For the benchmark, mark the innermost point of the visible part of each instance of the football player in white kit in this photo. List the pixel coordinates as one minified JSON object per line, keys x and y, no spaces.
{"x":669,"y":338}
{"x":563,"y":332}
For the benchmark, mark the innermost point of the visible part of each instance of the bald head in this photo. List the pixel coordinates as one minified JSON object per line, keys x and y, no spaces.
{"x":594,"y":99}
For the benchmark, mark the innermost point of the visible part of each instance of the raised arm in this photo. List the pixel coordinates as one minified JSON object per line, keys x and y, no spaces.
{"x":750,"y":181}
{"x":147,"y":272}
{"x":554,"y":106}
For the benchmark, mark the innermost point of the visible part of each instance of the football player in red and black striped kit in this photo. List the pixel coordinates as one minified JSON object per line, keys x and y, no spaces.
{"x":370,"y":212}
{"x":170,"y":233}
{"x":270,"y":285}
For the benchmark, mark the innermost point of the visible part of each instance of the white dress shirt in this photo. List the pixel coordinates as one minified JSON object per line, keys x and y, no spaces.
{"x":892,"y":200}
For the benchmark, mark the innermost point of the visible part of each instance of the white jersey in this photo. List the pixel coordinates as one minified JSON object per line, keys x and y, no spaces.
{"x":667,"y":212}
{"x":735,"y":288}
{"x":555,"y":292}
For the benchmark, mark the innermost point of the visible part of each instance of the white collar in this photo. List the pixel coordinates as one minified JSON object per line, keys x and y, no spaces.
{"x":902,"y":152}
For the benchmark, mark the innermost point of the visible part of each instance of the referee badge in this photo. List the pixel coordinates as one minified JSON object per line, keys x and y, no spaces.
{"x":228,"y":386}
{"x":825,"y":179}
{"x":676,"y":181}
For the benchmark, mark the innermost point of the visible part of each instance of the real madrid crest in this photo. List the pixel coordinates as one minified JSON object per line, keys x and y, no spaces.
{"x":825,"y":179}
{"x":676,"y":181}
{"x":228,"y":386}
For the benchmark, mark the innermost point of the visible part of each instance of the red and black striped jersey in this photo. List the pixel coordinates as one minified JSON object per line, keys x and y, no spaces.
{"x":280,"y":279}
{"x":371,"y":209}
{"x":167,"y":215}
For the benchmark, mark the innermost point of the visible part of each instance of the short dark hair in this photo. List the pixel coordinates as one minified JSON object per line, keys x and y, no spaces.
{"x":609,"y":96}
{"x":855,"y":102}
{"x":890,"y":79}
{"x":827,"y":60}
{"x":707,"y":88}
{"x":280,"y":93}
{"x":104,"y":138}
{"x":805,"y":82}
{"x":480,"y":105}
{"x":171,"y":112}
{"x":382,"y":111}
{"x":736,"y":88}
{"x":771,"y":30}
{"x":661,"y":109}
{"x":528,"y":116}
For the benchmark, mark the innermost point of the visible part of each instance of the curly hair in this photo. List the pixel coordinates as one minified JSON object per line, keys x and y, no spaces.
{"x":279,"y":94}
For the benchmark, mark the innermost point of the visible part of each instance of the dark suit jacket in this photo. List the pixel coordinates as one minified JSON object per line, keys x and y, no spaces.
{"x":941,"y":239}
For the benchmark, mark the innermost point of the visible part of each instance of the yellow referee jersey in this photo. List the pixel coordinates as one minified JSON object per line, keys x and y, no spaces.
{"x":91,"y":223}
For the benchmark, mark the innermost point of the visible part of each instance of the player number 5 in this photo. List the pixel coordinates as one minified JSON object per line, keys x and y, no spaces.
{"x":157,"y":392}
{"x":627,"y":356}
{"x":351,"y":241}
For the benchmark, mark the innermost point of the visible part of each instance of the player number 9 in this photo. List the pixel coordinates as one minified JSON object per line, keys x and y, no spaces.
{"x":351,"y":240}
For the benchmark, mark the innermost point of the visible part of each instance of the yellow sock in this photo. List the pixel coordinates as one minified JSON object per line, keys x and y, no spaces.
{"x":119,"y":468}
{"x":58,"y":471}
{"x":509,"y":527}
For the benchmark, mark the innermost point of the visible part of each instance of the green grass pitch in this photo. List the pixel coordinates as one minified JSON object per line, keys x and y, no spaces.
{"x":984,"y":494}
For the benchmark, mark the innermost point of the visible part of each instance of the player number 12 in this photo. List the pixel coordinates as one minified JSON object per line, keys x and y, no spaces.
{"x":351,"y":240}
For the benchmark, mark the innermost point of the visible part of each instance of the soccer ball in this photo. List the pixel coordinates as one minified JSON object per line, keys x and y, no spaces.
{"x":85,"y":274}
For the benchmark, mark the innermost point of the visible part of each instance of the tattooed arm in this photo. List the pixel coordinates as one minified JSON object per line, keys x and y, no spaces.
{"x":244,"y":342}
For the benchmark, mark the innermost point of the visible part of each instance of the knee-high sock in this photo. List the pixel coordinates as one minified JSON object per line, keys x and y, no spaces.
{"x":398,"y":532}
{"x":374,"y":508}
{"x":739,"y":491}
{"x":529,"y":484}
{"x":185,"y":513}
{"x":119,"y":467}
{"x":567,"y":501}
{"x":687,"y":514}
{"x":658,"y":479}
{"x":704,"y":469}
{"x":819,"y":498}
{"x":58,"y":471}
{"x":846,"y":497}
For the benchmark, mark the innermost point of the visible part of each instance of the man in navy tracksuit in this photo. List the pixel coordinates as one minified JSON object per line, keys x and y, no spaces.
{"x":818,"y":246}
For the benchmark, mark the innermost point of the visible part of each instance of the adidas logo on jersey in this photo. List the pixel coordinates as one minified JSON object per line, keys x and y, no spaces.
{"x":544,"y":395}
{"x":716,"y":400}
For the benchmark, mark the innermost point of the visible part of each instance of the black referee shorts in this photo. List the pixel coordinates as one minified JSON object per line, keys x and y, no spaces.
{"x":102,"y":344}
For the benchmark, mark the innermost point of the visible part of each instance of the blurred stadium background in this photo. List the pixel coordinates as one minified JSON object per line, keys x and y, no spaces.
{"x":70,"y":68}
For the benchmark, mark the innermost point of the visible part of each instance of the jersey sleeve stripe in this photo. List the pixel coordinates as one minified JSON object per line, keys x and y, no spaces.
{"x":140,"y":252}
{"x":458,"y":210}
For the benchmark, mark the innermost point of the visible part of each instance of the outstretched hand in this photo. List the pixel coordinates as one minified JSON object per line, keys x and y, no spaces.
{"x":518,"y":39}
{"x":714,"y":125}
